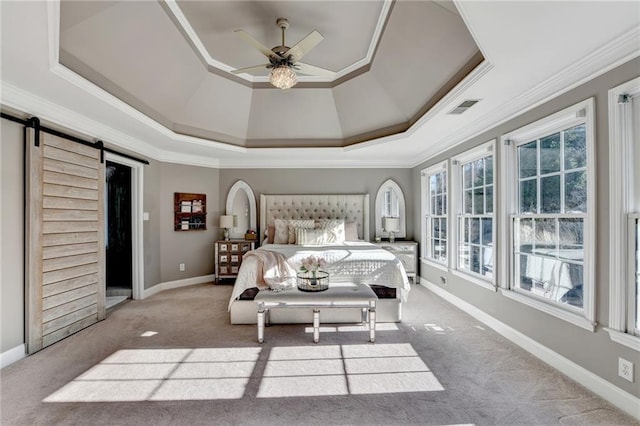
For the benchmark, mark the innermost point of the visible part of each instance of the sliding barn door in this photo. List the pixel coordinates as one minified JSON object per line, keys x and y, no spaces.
{"x":64,"y":239}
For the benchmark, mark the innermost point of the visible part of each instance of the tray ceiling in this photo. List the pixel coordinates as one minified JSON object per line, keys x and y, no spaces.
{"x":533,"y":51}
{"x":171,"y":61}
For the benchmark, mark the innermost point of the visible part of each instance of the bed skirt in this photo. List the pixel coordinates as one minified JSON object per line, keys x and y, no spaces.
{"x":245,"y":312}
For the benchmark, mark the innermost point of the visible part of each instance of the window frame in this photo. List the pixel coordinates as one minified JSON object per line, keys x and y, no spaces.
{"x":427,"y":216}
{"x":633,"y":276}
{"x":458,"y":162}
{"x":580,"y":113}
{"x":624,"y":205}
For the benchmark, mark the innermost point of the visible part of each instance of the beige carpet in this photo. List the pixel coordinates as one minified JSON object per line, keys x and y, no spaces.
{"x":174,"y":359}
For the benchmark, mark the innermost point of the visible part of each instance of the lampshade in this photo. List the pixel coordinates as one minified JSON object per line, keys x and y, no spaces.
{"x":283,"y":77}
{"x":226,"y":221}
{"x":391,"y":224}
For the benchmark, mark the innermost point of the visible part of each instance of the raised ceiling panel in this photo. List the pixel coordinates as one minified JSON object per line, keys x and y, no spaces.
{"x":80,"y":11}
{"x":136,"y":47}
{"x":217,"y":105}
{"x":288,"y":114}
{"x":215,"y":22}
{"x":363,"y":106}
{"x":423,"y":47}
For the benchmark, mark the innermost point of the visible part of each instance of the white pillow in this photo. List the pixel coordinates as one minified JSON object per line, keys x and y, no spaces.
{"x":311,"y":237}
{"x":334,"y":229}
{"x":351,"y":231}
{"x":281,"y":235}
{"x":298,"y":224}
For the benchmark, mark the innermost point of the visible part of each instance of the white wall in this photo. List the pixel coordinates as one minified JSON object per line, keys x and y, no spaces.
{"x":11,"y":237}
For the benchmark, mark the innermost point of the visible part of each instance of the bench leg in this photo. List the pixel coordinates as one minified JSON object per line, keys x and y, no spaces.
{"x":316,"y":325}
{"x":260,"y":325}
{"x":372,"y":324}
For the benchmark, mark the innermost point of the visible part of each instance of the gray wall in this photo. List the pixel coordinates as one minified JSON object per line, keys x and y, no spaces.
{"x":12,"y":219}
{"x":164,"y":248}
{"x":593,"y":351}
{"x":151,"y":227}
{"x":193,"y":248}
{"x":322,"y":181}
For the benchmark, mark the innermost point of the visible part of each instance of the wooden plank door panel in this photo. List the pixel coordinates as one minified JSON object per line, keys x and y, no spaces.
{"x":65,"y":230}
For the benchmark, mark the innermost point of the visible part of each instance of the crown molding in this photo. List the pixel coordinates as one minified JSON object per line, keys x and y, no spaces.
{"x":610,"y":55}
{"x":104,"y":96}
{"x":188,"y":159}
{"x":21,"y":100}
{"x":31,"y":104}
{"x":287,"y":161}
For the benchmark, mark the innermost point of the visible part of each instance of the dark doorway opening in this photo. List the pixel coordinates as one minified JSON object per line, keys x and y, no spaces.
{"x":118,"y":239}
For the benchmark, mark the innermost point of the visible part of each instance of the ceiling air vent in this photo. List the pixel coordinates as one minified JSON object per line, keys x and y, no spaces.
{"x":464,"y":106}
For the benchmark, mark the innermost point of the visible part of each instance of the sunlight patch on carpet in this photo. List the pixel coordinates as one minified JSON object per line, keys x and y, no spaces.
{"x":163,"y":375}
{"x":345,"y":370}
{"x":194,"y":374}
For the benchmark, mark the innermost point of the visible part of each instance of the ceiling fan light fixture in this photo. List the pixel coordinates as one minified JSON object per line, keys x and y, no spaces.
{"x":283,"y":77}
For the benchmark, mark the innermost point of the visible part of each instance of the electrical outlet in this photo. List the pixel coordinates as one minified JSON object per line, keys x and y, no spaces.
{"x":625,"y":369}
{"x":443,"y":280}
{"x":182,"y":267}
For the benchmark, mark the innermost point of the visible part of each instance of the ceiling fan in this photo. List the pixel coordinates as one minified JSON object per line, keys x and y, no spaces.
{"x":284,"y":60}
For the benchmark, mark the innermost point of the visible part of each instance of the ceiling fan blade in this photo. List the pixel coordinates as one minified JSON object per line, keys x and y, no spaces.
{"x":312,"y":70}
{"x":250,"y":69}
{"x":303,"y":47}
{"x":255,"y":43}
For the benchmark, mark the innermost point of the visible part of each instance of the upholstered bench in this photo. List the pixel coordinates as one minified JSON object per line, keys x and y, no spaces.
{"x":338,"y":295}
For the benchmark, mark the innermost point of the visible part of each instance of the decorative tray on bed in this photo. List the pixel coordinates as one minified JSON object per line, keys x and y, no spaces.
{"x":313,"y":281}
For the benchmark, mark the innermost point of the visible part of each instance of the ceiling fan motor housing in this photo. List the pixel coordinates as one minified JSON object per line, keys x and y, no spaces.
{"x":282,"y":23}
{"x":281,"y":50}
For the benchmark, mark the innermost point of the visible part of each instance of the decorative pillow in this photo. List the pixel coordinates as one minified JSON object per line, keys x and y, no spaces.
{"x":311,"y":237}
{"x":297,"y":224}
{"x":351,"y":231}
{"x":334,"y":229}
{"x":271,"y":232}
{"x":281,"y":234}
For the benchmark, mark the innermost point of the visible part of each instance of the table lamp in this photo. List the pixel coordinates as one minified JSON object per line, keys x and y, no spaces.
{"x":391,"y":225}
{"x":226,"y":222}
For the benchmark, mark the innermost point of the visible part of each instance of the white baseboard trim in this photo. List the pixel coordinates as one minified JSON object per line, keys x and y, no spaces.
{"x":177,"y":284}
{"x":13,"y":355}
{"x":616,"y":396}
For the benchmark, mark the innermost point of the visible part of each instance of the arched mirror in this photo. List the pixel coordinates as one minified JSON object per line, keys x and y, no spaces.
{"x":241,"y":203}
{"x":390,"y":204}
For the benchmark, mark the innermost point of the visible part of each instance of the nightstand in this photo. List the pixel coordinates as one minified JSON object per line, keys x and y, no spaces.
{"x":228,"y":257}
{"x":407,"y":252}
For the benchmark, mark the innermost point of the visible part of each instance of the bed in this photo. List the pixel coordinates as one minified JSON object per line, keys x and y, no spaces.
{"x":350,"y":257}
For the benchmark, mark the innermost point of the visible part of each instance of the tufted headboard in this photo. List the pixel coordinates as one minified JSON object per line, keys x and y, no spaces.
{"x":350,"y":207}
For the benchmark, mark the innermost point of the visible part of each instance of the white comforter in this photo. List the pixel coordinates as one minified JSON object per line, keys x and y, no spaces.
{"x":356,"y":261}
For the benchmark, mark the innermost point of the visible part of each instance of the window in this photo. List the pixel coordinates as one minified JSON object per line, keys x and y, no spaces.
{"x":475,"y":233}
{"x":552,"y":205}
{"x":624,"y":213}
{"x":435,"y":234}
